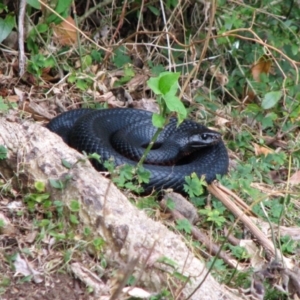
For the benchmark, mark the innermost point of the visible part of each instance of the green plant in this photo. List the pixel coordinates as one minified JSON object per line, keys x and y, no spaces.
{"x":288,"y":246}
{"x":38,"y":63}
{"x":239,"y":252}
{"x":165,"y":88}
{"x":120,"y":58}
{"x":213,"y":216}
{"x":3,"y":152}
{"x":40,"y":197}
{"x":6,"y":24}
{"x":194,"y":186}
{"x":6,"y":105}
{"x":184,"y":225}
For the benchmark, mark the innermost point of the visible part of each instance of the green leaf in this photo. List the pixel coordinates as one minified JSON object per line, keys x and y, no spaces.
{"x":3,"y":152}
{"x":82,"y":84}
{"x":57,"y":184}
{"x":63,"y":9}
{"x":174,"y":104}
{"x":194,"y":186}
{"x":168,"y":82}
{"x":271,"y":99}
{"x":98,"y":243}
{"x":3,"y":106}
{"x":213,"y":215}
{"x":86,"y":61}
{"x":38,"y":198}
{"x":157,"y":69}
{"x":39,"y":186}
{"x":74,"y":220}
{"x":295,"y":49}
{"x":158,"y":120}
{"x":154,"y":10}
{"x":143,"y":175}
{"x":66,"y":164}
{"x":170,"y":204}
{"x":96,"y":55}
{"x":41,"y":28}
{"x":44,"y":222}
{"x":6,"y":26}
{"x":181,"y":277}
{"x":184,"y":225}
{"x":87,"y":231}
{"x":74,"y":206}
{"x":63,"y":6}
{"x":34,"y":3}
{"x":120,"y":58}
{"x":167,"y":261}
{"x":2,"y":223}
{"x":153,"y":85}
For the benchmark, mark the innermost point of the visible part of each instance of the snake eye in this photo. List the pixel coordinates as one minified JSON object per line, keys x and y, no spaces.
{"x":204,"y":136}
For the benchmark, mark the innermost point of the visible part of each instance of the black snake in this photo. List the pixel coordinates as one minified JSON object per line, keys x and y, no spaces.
{"x":123,"y":134}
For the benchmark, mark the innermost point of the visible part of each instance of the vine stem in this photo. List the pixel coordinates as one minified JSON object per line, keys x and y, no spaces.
{"x":153,"y":140}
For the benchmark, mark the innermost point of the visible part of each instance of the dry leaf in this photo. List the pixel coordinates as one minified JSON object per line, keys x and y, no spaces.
{"x":260,"y":150}
{"x":136,"y":292}
{"x":6,"y":226}
{"x":221,"y":78}
{"x":262,"y":66}
{"x":256,"y":259}
{"x":24,"y":268}
{"x":295,"y":178}
{"x":279,"y":176}
{"x":220,"y":122}
{"x":138,"y":81}
{"x":64,"y":33}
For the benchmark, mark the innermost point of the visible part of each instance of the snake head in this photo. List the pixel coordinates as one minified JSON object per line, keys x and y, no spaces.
{"x":204,"y":139}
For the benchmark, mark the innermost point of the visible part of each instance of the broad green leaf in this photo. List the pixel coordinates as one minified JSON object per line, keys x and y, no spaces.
{"x":153,"y":85}
{"x":154,"y":10}
{"x":63,"y":6}
{"x":34,"y":3}
{"x":63,"y":9}
{"x":168,"y":82}
{"x":41,"y":28}
{"x":271,"y":99}
{"x":158,"y":120}
{"x":6,"y":26}
{"x":174,"y":104}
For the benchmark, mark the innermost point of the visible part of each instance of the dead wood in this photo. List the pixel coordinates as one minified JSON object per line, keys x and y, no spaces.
{"x":35,"y":154}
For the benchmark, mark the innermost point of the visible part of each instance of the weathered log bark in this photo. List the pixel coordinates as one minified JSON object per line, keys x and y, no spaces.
{"x":35,"y":154}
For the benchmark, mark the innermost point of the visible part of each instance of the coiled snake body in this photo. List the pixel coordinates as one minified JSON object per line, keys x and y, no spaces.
{"x":124,"y":133}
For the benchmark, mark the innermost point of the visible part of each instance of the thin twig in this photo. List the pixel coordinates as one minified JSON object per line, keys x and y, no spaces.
{"x":212,"y":248}
{"x":166,"y":30}
{"x":21,"y":20}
